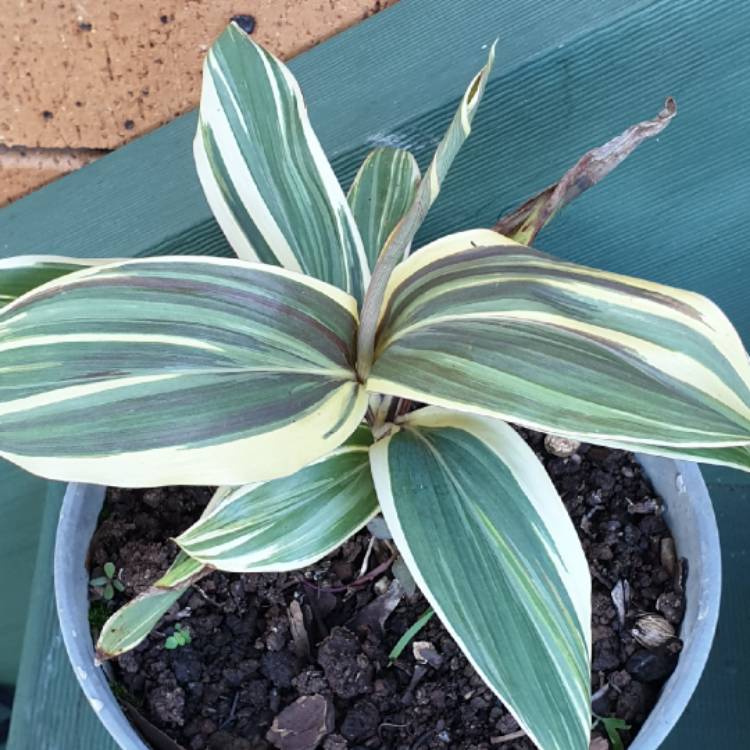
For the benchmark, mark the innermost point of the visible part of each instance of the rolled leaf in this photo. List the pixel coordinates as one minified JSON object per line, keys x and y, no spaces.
{"x":455,"y":136}
{"x":290,"y":522}
{"x":513,"y":333}
{"x":131,"y":624}
{"x":492,"y":548}
{"x":399,"y":242}
{"x":177,"y":371}
{"x":381,"y":194}
{"x":527,"y":221}
{"x":22,"y":273}
{"x":264,"y":172}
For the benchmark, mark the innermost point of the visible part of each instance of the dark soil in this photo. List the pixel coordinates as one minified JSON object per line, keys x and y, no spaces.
{"x":250,"y":680}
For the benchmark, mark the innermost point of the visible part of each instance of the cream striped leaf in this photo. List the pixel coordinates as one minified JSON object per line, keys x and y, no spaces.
{"x":264,"y":172}
{"x":22,"y":273}
{"x":487,"y":325}
{"x":455,"y":136}
{"x":177,"y":371}
{"x":491,"y":546}
{"x":132,"y":623}
{"x":381,"y":194}
{"x":398,"y":244}
{"x":735,"y":456}
{"x":291,"y":522}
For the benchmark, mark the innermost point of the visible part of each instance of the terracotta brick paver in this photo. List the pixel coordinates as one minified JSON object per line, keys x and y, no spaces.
{"x":93,"y":74}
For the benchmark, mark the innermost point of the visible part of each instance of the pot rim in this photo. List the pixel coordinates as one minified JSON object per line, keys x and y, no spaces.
{"x":680,"y":483}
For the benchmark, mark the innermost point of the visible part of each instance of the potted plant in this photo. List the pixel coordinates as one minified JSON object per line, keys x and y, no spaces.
{"x":295,"y":377}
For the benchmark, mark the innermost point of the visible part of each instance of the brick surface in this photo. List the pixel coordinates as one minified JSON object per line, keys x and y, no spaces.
{"x":16,"y":182}
{"x":95,"y":73}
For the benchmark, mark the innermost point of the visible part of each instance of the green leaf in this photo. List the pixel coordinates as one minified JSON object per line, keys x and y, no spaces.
{"x":399,"y":241}
{"x":493,"y":549}
{"x":100,"y":581}
{"x":171,"y":643}
{"x":177,"y":371}
{"x":264,"y":172}
{"x":290,"y":522}
{"x":108,"y":592}
{"x":22,"y":273}
{"x":132,"y":623}
{"x":118,"y":585}
{"x":613,"y":727}
{"x":737,"y":456}
{"x":109,"y":569}
{"x":411,"y":633}
{"x":184,"y":570}
{"x":380,"y":195}
{"x":528,"y":220}
{"x":479,"y":323}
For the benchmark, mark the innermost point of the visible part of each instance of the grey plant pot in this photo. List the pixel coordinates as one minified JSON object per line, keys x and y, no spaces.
{"x":689,"y":514}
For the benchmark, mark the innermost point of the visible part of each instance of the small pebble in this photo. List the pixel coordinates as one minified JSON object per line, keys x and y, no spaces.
{"x":650,"y":666}
{"x":83,"y":26}
{"x":600,"y":704}
{"x":561,"y":447}
{"x":129,"y":124}
{"x":245,"y":22}
{"x":47,"y":115}
{"x":668,"y":555}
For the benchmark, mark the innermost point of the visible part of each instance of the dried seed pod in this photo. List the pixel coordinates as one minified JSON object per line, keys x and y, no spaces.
{"x":652,"y":631}
{"x":561,"y":447}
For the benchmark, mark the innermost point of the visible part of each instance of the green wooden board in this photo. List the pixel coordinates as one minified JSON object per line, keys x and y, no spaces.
{"x":22,"y":508}
{"x":569,"y":75}
{"x":50,"y":711}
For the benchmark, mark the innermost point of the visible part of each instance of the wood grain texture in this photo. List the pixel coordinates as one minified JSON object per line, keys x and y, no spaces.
{"x":568,"y":74}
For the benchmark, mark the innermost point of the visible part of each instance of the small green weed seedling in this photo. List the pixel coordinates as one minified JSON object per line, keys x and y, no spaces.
{"x":410,"y":634}
{"x":180,"y":637}
{"x":106,"y":584}
{"x":613,"y":726}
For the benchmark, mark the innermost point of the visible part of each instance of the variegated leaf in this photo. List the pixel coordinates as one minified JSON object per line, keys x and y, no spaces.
{"x":22,"y":273}
{"x":491,"y":546}
{"x":290,"y":522}
{"x":264,"y":172}
{"x":131,"y":624}
{"x":487,"y":325}
{"x":448,"y":148}
{"x":177,"y":371}
{"x":735,"y":456}
{"x":381,"y":194}
{"x":399,"y":241}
